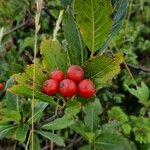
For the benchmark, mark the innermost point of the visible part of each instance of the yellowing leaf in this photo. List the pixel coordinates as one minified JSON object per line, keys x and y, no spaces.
{"x":27,"y":77}
{"x":103,"y":68}
{"x":27,"y":91}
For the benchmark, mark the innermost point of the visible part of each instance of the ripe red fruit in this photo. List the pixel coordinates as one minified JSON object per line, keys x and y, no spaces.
{"x":50,"y":87}
{"x":86,"y":88}
{"x":1,"y":86}
{"x":75,"y":73}
{"x":67,"y":88}
{"x":57,"y":75}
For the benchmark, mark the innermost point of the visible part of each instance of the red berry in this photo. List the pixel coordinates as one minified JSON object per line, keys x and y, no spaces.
{"x":1,"y":86}
{"x":86,"y":88}
{"x":57,"y":75}
{"x":67,"y":88}
{"x":75,"y":73}
{"x":50,"y":87}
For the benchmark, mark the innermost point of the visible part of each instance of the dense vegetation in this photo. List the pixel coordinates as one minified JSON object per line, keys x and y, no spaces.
{"x":110,"y":40}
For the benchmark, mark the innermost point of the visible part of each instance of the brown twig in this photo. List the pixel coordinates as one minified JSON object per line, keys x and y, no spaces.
{"x":23,"y":24}
{"x":139,"y":68}
{"x":58,"y":114}
{"x":45,"y":148}
{"x":73,"y":142}
{"x":15,"y":145}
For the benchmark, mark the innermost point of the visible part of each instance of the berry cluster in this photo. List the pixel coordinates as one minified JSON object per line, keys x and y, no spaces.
{"x":75,"y":83}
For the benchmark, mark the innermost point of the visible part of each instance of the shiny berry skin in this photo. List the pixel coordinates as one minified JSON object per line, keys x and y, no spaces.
{"x":1,"y":86}
{"x":67,"y":88}
{"x":57,"y":75}
{"x":86,"y":88}
{"x":75,"y":73}
{"x":50,"y":87}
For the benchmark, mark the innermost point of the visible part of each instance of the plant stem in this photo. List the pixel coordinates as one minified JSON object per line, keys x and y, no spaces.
{"x":127,"y":21}
{"x":37,"y":28}
{"x":56,"y":109}
{"x":139,"y":68}
{"x":124,"y":62}
{"x":26,"y":148}
{"x":14,"y":148}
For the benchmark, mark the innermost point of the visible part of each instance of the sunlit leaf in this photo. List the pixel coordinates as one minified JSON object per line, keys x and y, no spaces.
{"x":94,"y":20}
{"x":26,"y":91}
{"x":103,"y":68}
{"x":54,"y":55}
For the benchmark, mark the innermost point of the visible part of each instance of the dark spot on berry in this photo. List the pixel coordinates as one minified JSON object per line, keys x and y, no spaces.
{"x":45,"y":83}
{"x":61,"y":85}
{"x":78,"y":68}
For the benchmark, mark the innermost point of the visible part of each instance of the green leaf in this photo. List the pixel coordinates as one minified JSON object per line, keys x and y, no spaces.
{"x":21,"y":133}
{"x":12,"y":100}
{"x":6,"y":131}
{"x":53,"y":137}
{"x":103,"y":68}
{"x":68,"y":119}
{"x":26,"y":43}
{"x":126,"y":128}
{"x":60,"y":123}
{"x":80,"y":128}
{"x":113,"y":140}
{"x":141,"y":93}
{"x":145,"y":147}
{"x":54,"y":55}
{"x":27,"y":76}
{"x":41,"y":76}
{"x":94,"y":20}
{"x":36,"y":143}
{"x":7,"y":115}
{"x":72,"y":108}
{"x":24,"y":90}
{"x":141,"y":129}
{"x":92,"y":111}
{"x":116,"y":113}
{"x":85,"y":147}
{"x":25,"y":83}
{"x":120,"y":6}
{"x":66,"y":2}
{"x":38,"y":111}
{"x":76,"y":48}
